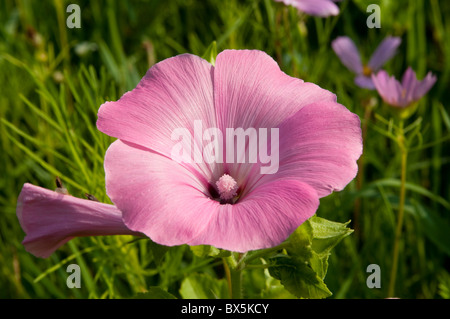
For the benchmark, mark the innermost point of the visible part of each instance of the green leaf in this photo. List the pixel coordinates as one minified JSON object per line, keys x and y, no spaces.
{"x":202,"y":286}
{"x":414,"y":188}
{"x":327,"y":234}
{"x":275,"y":290}
{"x":301,"y":240}
{"x":155,"y":293}
{"x":436,"y":228}
{"x":299,"y":278}
{"x":211,"y":251}
{"x":445,"y":116}
{"x":303,"y":267}
{"x":211,"y":53}
{"x":158,"y":251}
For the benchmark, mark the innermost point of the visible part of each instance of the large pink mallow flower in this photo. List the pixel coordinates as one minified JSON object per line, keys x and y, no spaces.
{"x":349,"y":55}
{"x":320,"y":8}
{"x":50,"y":219}
{"x":403,"y":94}
{"x":229,"y":205}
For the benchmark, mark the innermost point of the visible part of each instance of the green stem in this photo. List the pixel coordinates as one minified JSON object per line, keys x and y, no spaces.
{"x":233,"y":266}
{"x":62,"y":33}
{"x":398,"y":231}
{"x":234,"y":277}
{"x":227,"y":275}
{"x":236,"y":286}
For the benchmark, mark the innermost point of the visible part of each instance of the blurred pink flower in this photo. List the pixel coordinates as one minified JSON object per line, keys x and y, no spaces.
{"x":50,"y":219}
{"x":403,"y":94}
{"x":320,"y":8}
{"x":228,"y":205}
{"x":349,"y":55}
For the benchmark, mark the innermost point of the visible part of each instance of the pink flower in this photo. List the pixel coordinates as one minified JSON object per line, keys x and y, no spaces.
{"x":321,"y":8}
{"x":51,"y":219}
{"x":403,"y":94}
{"x":228,"y":205}
{"x":348,"y":53}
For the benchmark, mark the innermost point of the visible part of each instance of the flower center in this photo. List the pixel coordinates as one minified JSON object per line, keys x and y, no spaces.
{"x":367,"y":70}
{"x":227,"y":187}
{"x":403,"y":93}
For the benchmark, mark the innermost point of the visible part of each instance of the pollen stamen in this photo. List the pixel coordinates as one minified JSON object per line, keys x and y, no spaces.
{"x":227,"y":187}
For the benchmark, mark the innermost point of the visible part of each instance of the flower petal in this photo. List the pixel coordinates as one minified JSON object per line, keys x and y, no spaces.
{"x":389,"y":88}
{"x":158,"y":196}
{"x":424,"y":86}
{"x":320,"y":8}
{"x":380,"y":81}
{"x":264,"y":218}
{"x":348,"y":53}
{"x":385,"y":51}
{"x":50,"y":219}
{"x":409,"y":85}
{"x":364,"y":82}
{"x":173,"y":94}
{"x":319,"y":146}
{"x":250,"y":90}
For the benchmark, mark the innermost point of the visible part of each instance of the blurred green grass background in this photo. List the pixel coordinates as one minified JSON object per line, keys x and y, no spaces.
{"x":53,"y":80}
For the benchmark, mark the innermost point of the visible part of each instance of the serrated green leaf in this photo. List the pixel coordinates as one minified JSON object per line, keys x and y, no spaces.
{"x":299,"y":279}
{"x":155,"y":293}
{"x":301,"y":240}
{"x":327,"y":234}
{"x":319,"y":263}
{"x":202,"y":286}
{"x":304,"y":266}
